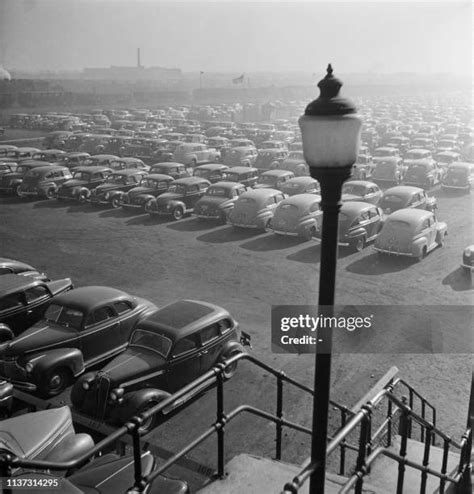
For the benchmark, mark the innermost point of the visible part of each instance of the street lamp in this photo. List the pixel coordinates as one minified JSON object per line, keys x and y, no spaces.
{"x":331,"y":134}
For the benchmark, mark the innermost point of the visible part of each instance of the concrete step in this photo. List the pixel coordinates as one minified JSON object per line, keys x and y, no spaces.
{"x":255,"y":475}
{"x":384,"y":472}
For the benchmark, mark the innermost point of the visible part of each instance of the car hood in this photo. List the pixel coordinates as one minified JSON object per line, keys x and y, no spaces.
{"x":136,"y":191}
{"x":133,"y":363}
{"x":108,"y":187}
{"x":41,"y":335}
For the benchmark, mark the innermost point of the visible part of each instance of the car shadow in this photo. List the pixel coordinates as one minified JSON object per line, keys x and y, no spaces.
{"x":374,"y":264}
{"x":112,"y":213}
{"x":311,"y":255}
{"x":228,"y":234}
{"x":146,"y":219}
{"x":49,"y":205}
{"x":272,"y":242}
{"x":82,"y":208}
{"x":9,"y":199}
{"x":193,"y":225}
{"x":459,"y":280}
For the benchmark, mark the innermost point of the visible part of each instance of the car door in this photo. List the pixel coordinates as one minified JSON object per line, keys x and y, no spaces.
{"x":13,"y":312}
{"x":428,"y":231}
{"x":373,"y":224}
{"x":185,"y":362}
{"x":99,"y":334}
{"x":210,"y":346}
{"x":191,"y":196}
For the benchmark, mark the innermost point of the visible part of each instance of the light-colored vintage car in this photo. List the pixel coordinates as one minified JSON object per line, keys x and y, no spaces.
{"x":301,"y":185}
{"x":298,"y":216}
{"x":406,"y":196}
{"x":255,"y":208}
{"x":412,"y":233}
{"x":274,"y":179}
{"x":423,"y":173}
{"x":361,"y":190}
{"x":459,"y":175}
{"x":192,"y":154}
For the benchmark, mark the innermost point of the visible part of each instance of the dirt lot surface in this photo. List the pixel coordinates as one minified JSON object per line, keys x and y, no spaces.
{"x":248,"y":272}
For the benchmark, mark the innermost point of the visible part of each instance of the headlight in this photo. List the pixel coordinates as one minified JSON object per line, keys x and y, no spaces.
{"x":387,"y":211}
{"x":116,"y":394}
{"x":29,"y":367}
{"x":107,"y":196}
{"x":467,"y":252}
{"x":85,"y":385}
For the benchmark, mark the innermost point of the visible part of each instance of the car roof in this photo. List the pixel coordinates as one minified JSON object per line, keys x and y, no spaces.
{"x":389,"y":159}
{"x":129,"y":160}
{"x":168,"y":164}
{"x":10,"y":283}
{"x":212,"y":166}
{"x":159,"y":176}
{"x":423,"y":162}
{"x":403,"y":190}
{"x":128,"y":171}
{"x":105,"y":156}
{"x":93,"y":169}
{"x":191,"y":180}
{"x":260,"y":193}
{"x":91,"y":297}
{"x":353,"y":208}
{"x":184,"y":317}
{"x":418,"y":150}
{"x":227,"y":185}
{"x":301,"y":200}
{"x":365,"y":183}
{"x":6,"y":262}
{"x":410,"y":215}
{"x":302,"y":180}
{"x":461,"y":164}
{"x":276,"y":173}
{"x":241,"y":169}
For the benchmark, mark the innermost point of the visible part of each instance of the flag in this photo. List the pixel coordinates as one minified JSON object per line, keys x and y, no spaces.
{"x":238,"y":80}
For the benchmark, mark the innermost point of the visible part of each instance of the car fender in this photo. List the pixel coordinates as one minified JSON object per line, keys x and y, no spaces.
{"x":6,"y":333}
{"x":85,"y":191}
{"x":176,"y":203}
{"x":78,"y":392}
{"x":70,"y":358}
{"x":134,"y":400}
{"x":147,"y":197}
{"x":115,"y":193}
{"x":359,"y":232}
{"x":229,"y":349}
{"x":418,"y":245}
{"x":58,"y":286}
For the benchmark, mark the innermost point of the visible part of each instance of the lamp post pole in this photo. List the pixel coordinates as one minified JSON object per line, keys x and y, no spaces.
{"x":331,"y":133}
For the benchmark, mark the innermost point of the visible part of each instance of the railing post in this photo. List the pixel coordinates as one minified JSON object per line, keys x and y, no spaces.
{"x":342,"y":459}
{"x":5,"y":472}
{"x":465,"y":483}
{"x":444,"y":465}
{"x":279,"y":413}
{"x":426,"y":460}
{"x":134,"y":428}
{"x":364,"y":439}
{"x":389,"y":424}
{"x":221,"y":419}
{"x":403,"y":430}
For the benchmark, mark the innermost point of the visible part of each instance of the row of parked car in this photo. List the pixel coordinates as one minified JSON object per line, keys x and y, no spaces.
{"x":53,"y":335}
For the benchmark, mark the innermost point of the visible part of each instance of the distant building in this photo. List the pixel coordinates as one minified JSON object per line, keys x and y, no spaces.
{"x":132,"y":74}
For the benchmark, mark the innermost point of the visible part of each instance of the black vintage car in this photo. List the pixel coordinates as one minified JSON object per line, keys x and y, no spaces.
{"x":213,"y":172}
{"x":12,"y":266}
{"x":23,"y":300}
{"x":84,"y":180}
{"x":79,"y":329}
{"x":115,"y":184}
{"x":150,"y":187}
{"x":180,"y":198}
{"x":169,"y":349}
{"x":175,"y":170}
{"x":218,"y":201}
{"x":10,"y":183}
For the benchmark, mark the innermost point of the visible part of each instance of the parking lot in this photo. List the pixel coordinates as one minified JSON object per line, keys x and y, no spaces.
{"x":247,"y":273}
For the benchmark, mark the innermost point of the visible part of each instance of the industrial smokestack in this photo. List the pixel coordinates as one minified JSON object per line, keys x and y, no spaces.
{"x":138,"y":58}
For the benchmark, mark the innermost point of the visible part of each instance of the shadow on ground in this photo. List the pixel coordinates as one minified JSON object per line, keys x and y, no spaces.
{"x":228,"y":234}
{"x":459,"y":280}
{"x":272,"y":242}
{"x":375,"y":264}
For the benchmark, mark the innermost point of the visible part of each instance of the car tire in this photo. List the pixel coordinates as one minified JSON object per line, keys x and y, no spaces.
{"x":178,"y":213}
{"x":359,"y":244}
{"x":115,"y":202}
{"x":150,"y":423}
{"x":309,"y":234}
{"x":193,"y":162}
{"x":442,"y":239}
{"x":18,"y":191}
{"x":230,"y":370}
{"x":55,"y":381}
{"x":50,"y":193}
{"x":82,"y":197}
{"x":422,"y":254}
{"x":147,"y":206}
{"x":223,"y":218}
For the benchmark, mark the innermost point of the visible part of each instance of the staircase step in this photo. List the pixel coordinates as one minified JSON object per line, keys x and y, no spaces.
{"x":384,"y":472}
{"x":255,"y":475}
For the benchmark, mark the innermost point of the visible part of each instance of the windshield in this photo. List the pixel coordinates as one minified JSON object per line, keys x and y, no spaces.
{"x":64,"y":316}
{"x":457,"y":173}
{"x":148,"y":182}
{"x":380,"y":153}
{"x":391,"y":199}
{"x":118,"y":165}
{"x":414,"y":155}
{"x":217,"y":192}
{"x":32,"y":174}
{"x":116,"y":179}
{"x":151,"y":341}
{"x":177,"y":188}
{"x":354,"y":189}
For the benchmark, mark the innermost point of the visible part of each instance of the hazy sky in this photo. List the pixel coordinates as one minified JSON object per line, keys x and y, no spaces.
{"x":238,"y":36}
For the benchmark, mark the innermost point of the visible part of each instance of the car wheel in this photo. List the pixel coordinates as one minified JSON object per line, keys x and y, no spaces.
{"x":223,"y":218}
{"x":422,"y":254}
{"x":152,"y":421}
{"x":230,"y":370}
{"x":115,"y":202}
{"x":359,"y":244}
{"x":178,"y":213}
{"x":147,"y":206}
{"x":18,"y":191}
{"x":442,"y":239}
{"x":51,"y":193}
{"x":193,"y":162}
{"x":55,"y":381}
{"x":82,"y":197}
{"x":309,"y":234}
